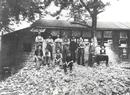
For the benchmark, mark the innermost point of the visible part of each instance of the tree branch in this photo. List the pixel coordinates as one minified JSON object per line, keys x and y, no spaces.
{"x":86,"y":7}
{"x":100,"y":12}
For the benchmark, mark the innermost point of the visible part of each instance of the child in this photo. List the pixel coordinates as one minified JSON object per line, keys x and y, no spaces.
{"x":47,"y":57}
{"x":58,"y":57}
{"x":68,"y":63}
{"x":38,"y":56}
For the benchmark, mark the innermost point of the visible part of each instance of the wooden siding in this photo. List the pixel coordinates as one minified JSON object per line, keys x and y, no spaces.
{"x":13,"y":54}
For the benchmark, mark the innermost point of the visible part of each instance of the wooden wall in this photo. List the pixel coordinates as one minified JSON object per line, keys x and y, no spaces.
{"x":0,"y":49}
{"x":128,"y":45}
{"x":116,"y":49}
{"x":13,"y":46}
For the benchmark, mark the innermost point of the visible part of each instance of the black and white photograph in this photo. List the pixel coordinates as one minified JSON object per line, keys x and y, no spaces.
{"x":64,"y":47}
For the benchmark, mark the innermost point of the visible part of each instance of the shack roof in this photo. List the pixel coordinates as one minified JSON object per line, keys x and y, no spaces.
{"x":113,"y":25}
{"x":43,"y":23}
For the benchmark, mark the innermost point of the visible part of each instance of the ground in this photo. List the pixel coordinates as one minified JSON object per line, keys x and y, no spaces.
{"x":99,"y":80}
{"x":84,"y":80}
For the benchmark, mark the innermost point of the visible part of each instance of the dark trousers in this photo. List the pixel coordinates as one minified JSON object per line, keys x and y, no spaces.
{"x":49,"y":47}
{"x":90,"y":60}
{"x":73,"y":55}
{"x":69,"y":66}
{"x":47,"y":60}
{"x":81,"y":56}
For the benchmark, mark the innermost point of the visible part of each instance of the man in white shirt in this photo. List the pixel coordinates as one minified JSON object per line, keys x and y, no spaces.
{"x":39,"y":38}
{"x":40,"y":41}
{"x":58,"y":43}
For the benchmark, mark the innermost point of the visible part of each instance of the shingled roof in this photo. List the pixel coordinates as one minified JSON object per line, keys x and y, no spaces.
{"x":113,"y":25}
{"x":42,"y":23}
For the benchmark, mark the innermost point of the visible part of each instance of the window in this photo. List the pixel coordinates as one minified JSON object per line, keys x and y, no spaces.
{"x":123,"y":35}
{"x":99,"y":34}
{"x":27,"y":47}
{"x":76,"y":33}
{"x":107,"y":34}
{"x":123,"y":39}
{"x":86,"y":34}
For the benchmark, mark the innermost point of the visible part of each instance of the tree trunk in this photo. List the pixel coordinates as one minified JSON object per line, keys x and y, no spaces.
{"x":92,"y":49}
{"x":94,"y":24}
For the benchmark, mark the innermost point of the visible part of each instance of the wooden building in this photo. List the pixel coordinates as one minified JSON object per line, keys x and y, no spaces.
{"x":17,"y":45}
{"x":117,"y":32}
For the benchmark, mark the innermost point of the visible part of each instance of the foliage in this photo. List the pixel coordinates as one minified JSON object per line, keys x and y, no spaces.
{"x":80,"y":9}
{"x":16,"y":10}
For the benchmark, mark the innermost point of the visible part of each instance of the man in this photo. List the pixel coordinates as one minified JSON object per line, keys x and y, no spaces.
{"x":58,"y":57}
{"x":38,"y":56}
{"x":66,"y":40}
{"x":58,"y":43}
{"x":81,"y":52}
{"x":47,"y":57}
{"x":73,"y":47}
{"x":39,"y":39}
{"x":68,"y":63}
{"x":50,"y":45}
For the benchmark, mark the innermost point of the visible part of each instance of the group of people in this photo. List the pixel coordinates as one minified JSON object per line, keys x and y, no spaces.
{"x":61,"y":51}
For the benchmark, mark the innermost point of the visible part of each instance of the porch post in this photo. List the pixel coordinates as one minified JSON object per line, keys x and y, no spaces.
{"x":102,"y":37}
{"x":128,"y":42}
{"x":115,"y":38}
{"x":1,"y":47}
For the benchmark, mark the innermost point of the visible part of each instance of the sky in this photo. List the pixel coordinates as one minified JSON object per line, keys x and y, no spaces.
{"x":118,"y":11}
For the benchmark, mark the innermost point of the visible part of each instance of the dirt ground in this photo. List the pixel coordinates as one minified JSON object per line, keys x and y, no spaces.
{"x":99,"y":80}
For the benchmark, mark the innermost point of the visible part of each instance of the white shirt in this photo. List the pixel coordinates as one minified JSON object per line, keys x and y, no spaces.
{"x":49,"y":41}
{"x":58,"y":40}
{"x":39,"y":39}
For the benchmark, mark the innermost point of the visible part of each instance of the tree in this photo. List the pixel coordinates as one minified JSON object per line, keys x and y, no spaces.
{"x":81,"y":10}
{"x":87,"y":8}
{"x":17,"y":10}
